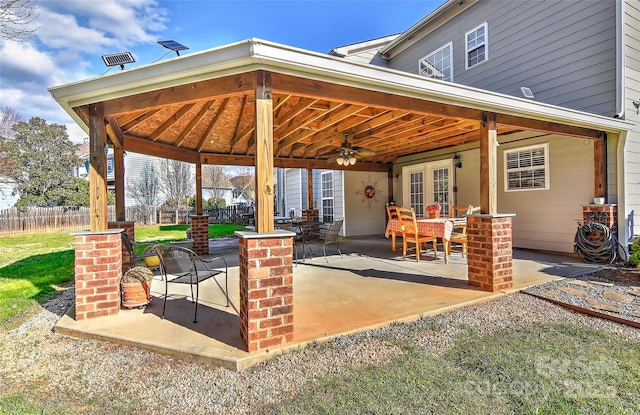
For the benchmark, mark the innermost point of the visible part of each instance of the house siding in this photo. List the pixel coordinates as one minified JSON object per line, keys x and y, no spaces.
{"x":364,"y":216}
{"x":563,"y":50}
{"x":294,"y":182}
{"x":631,"y":52}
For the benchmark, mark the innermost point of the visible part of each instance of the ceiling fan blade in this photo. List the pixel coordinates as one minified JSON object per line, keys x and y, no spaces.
{"x":363,"y":152}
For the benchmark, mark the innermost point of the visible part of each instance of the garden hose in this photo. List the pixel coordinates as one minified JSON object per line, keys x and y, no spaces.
{"x":596,"y":243}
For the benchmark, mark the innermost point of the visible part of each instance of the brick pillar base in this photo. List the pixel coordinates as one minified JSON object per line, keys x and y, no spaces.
{"x":490,"y":253}
{"x":266,"y":289}
{"x":98,"y":269}
{"x":604,"y":214}
{"x":200,"y":234}
{"x":310,"y":215}
{"x":130,"y":230}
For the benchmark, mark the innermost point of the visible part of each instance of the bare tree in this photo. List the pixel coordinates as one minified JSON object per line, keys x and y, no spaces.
{"x":16,"y":17}
{"x":246,"y":181}
{"x":176,"y":182}
{"x":145,"y":190}
{"x":216,"y":178}
{"x":8,"y":117}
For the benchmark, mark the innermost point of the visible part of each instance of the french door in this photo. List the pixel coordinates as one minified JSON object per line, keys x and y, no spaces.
{"x":428,"y":183}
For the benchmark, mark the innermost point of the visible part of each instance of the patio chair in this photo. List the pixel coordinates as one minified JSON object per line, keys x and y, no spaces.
{"x":411,"y":235}
{"x":460,"y":236}
{"x":180,"y":265}
{"x":131,"y":250}
{"x":323,"y":238}
{"x":392,"y":212}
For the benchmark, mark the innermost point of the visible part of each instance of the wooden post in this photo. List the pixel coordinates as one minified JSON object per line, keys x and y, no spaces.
{"x":309,"y":188}
{"x":198,"y":188}
{"x":97,"y":169}
{"x":600,"y":166}
{"x":264,"y":153}
{"x":118,"y":167}
{"x":488,"y":165}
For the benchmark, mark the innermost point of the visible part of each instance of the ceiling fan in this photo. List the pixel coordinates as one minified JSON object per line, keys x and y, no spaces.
{"x":347,"y":154}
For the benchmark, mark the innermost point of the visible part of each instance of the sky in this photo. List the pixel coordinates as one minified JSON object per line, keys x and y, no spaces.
{"x":74,"y":34}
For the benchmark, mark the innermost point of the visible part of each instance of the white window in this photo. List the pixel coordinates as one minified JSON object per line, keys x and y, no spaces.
{"x":327,"y":196}
{"x":527,"y":168}
{"x":438,"y":64}
{"x":477,"y":45}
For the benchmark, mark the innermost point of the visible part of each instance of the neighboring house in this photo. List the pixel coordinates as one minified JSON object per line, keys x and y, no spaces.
{"x":582,"y":55}
{"x":224,"y":189}
{"x":8,"y":193}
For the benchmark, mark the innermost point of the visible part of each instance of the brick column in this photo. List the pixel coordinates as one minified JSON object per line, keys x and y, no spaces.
{"x":266,"y":289}
{"x":490,"y":254}
{"x":200,"y":234}
{"x":310,"y":215}
{"x":98,"y":269}
{"x":130,"y":230}
{"x":604,"y":214}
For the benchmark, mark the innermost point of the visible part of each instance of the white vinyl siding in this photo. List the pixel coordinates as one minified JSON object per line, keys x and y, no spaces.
{"x":477,"y":45}
{"x":438,"y":64}
{"x":527,"y":168}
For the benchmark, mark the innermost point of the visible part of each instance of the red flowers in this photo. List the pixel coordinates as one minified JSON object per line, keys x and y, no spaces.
{"x":433,"y":208}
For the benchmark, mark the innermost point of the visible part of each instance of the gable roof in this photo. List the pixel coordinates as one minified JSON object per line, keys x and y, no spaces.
{"x":201,"y":107}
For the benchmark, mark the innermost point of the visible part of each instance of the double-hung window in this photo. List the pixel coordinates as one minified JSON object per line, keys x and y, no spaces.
{"x":527,"y":168}
{"x":477,"y":46}
{"x":438,"y":64}
{"x":327,"y":196}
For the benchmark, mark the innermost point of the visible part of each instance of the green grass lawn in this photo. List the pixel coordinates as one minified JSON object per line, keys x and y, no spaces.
{"x":35,"y":267}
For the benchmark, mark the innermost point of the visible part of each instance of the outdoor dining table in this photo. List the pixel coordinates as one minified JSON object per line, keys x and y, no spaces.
{"x":439,"y":227}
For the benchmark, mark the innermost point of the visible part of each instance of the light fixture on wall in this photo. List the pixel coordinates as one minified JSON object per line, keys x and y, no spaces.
{"x":637,"y":105}
{"x":456,"y":161}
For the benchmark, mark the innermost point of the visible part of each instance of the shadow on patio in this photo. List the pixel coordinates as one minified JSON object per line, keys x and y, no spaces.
{"x":369,"y":287}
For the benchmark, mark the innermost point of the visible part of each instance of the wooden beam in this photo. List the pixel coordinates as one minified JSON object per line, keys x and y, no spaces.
{"x":488,"y":165}
{"x":309,"y":188}
{"x":198,"y":188}
{"x":114,"y":132}
{"x":118,"y":170}
{"x":600,"y":166}
{"x":264,"y":153}
{"x":227,"y":86}
{"x":97,"y":169}
{"x":142,"y":146}
{"x":546,"y":126}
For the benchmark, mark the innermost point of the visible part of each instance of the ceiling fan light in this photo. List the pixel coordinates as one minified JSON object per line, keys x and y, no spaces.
{"x":340,"y":160}
{"x":352,"y":160}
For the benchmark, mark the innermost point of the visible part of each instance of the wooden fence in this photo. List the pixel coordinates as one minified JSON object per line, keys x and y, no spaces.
{"x":55,"y":219}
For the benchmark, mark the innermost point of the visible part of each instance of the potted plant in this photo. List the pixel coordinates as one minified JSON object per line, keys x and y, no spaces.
{"x":433,"y":211}
{"x":135,"y":287}
{"x":151,"y":261}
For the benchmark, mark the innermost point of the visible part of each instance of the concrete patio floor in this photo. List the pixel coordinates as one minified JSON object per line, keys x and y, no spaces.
{"x":368,"y":287}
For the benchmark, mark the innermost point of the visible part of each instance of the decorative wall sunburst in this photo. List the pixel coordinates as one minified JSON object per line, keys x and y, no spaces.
{"x":369,"y":192}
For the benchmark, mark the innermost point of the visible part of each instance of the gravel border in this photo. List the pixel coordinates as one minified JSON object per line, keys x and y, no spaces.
{"x":35,"y":359}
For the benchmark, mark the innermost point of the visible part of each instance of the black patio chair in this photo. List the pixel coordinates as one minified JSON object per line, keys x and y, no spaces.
{"x":183,"y":266}
{"x":323,"y":238}
{"x":130,"y":247}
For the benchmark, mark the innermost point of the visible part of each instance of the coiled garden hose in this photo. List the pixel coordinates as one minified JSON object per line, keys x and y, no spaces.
{"x":596,"y":243}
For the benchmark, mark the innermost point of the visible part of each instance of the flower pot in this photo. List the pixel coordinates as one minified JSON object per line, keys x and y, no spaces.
{"x":434,"y":215}
{"x":135,"y":294}
{"x":152,"y":261}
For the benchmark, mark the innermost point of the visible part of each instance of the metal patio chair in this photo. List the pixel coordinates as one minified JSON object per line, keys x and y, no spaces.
{"x":323,"y":238}
{"x":180,"y":265}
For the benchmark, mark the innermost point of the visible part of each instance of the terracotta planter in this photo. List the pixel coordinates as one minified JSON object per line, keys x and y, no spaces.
{"x":433,"y":215}
{"x":135,"y":294}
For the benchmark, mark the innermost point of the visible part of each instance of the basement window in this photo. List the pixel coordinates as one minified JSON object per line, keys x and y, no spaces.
{"x":527,"y":168}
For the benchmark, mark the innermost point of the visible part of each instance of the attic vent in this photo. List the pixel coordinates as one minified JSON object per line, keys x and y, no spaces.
{"x":116,"y":59}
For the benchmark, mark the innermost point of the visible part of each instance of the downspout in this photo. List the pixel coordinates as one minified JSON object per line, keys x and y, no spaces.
{"x":620,"y":61}
{"x":626,"y":231}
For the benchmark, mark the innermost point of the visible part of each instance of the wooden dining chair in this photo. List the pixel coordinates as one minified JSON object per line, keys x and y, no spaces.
{"x":460,"y":236}
{"x":411,"y":235}
{"x":392,"y":212}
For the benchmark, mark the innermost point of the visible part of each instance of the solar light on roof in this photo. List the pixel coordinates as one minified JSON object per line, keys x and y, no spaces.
{"x":118,"y":59}
{"x":173,"y":45}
